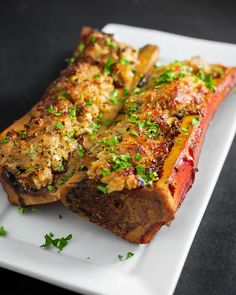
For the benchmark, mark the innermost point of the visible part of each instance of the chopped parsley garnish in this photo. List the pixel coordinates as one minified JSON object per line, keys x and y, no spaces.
{"x":5,"y":139}
{"x":166,"y":76}
{"x":60,"y":126}
{"x":72,"y":112}
{"x":65,"y":178}
{"x":33,"y":209}
{"x":121,"y":162}
{"x":128,"y":255}
{"x":195,"y":120}
{"x":114,"y":97}
{"x":61,"y":168}
{"x":124,"y":61}
{"x":109,"y":42}
{"x":133,"y":109}
{"x":110,"y":142}
{"x":50,"y":188}
{"x":30,"y":170}
{"x":125,"y":91}
{"x":80,"y":150}
{"x":57,"y":243}
{"x":81,"y":47}
{"x":103,"y":189}
{"x":63,"y":96}
{"x":51,"y":109}
{"x":207,"y":79}
{"x":108,"y":65}
{"x":93,"y":38}
{"x":3,"y":231}
{"x":89,"y":102}
{"x":134,"y":133}
{"x":185,"y":130}
{"x":98,"y":75}
{"x":137,"y":90}
{"x":138,"y":157}
{"x":106,"y":171}
{"x":94,"y":128}
{"x":147,"y":176}
{"x":31,"y":153}
{"x":21,"y":210}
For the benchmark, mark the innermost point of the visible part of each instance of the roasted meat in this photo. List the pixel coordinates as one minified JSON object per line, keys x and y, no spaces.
{"x":141,"y":167}
{"x":39,"y":151}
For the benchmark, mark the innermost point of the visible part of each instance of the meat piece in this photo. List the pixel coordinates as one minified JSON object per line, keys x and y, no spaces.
{"x":39,"y":153}
{"x":140,"y":169}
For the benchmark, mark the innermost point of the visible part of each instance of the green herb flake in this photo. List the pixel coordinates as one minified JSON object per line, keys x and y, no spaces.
{"x":114,"y":97}
{"x":185,"y":130}
{"x":80,"y":150}
{"x":60,"y":126}
{"x":109,"y":42}
{"x":167,"y":76}
{"x":94,"y":128}
{"x":5,"y":139}
{"x":72,"y":112}
{"x":103,"y":189}
{"x":3,"y":231}
{"x":60,"y":244}
{"x":33,"y":209}
{"x":125,"y":91}
{"x":89,"y":102}
{"x":108,"y":65}
{"x":30,"y":170}
{"x":121,"y":162}
{"x":128,"y":256}
{"x":148,"y":177}
{"x":195,"y":120}
{"x":61,"y":168}
{"x":92,"y":38}
{"x":138,"y":157}
{"x":81,"y":47}
{"x":98,"y":75}
{"x":106,"y":171}
{"x":110,"y":142}
{"x":21,"y":210}
{"x":124,"y":61}
{"x":51,"y":109}
{"x":50,"y":188}
{"x":134,"y":133}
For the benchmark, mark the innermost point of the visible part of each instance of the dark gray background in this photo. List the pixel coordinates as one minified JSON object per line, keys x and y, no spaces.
{"x":36,"y":37}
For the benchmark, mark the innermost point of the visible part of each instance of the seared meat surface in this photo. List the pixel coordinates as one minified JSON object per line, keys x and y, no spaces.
{"x":74,"y":107}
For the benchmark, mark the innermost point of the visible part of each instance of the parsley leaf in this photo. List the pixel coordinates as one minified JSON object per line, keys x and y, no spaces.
{"x":111,"y":142}
{"x":138,"y":157}
{"x":5,"y":139}
{"x":106,"y":171}
{"x":50,"y":188}
{"x":60,"y":126}
{"x":72,"y":112}
{"x":134,"y":133}
{"x":195,"y":120}
{"x":57,"y":243}
{"x":108,"y":65}
{"x":128,"y":255}
{"x":121,"y":162}
{"x":103,"y":189}
{"x":3,"y":231}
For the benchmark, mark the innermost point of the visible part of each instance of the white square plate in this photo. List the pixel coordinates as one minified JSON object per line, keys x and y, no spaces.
{"x":155,"y":268}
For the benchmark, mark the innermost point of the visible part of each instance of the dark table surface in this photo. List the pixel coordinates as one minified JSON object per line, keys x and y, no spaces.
{"x":36,"y":37}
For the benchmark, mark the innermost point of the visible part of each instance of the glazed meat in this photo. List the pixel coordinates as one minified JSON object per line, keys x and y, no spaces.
{"x":36,"y":151}
{"x":141,"y":167}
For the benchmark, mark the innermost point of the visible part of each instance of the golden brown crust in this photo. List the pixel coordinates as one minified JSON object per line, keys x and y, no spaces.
{"x":39,"y":152}
{"x":137,"y":214}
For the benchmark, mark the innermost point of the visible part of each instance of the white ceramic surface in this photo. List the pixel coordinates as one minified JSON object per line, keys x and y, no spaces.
{"x":154,"y":269}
